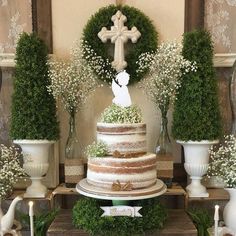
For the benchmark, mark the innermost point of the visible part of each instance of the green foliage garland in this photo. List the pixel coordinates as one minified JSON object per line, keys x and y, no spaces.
{"x":33,"y":111}
{"x":87,"y":215}
{"x":146,"y":43}
{"x":196,"y":113}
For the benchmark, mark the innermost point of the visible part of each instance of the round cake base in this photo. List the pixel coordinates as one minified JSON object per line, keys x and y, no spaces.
{"x":86,"y":189}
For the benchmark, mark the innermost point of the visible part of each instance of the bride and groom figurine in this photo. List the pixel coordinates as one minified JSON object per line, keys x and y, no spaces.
{"x":120,"y":90}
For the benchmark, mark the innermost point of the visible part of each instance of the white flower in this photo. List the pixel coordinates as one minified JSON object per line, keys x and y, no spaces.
{"x":101,"y":66}
{"x":223,"y":161}
{"x":97,"y":149}
{"x":10,"y":169}
{"x":71,"y":81}
{"x":166,"y":66}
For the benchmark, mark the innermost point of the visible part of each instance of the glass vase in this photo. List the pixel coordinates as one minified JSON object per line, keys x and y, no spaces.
{"x":163,"y":146}
{"x":74,"y":166}
{"x":164,"y":153}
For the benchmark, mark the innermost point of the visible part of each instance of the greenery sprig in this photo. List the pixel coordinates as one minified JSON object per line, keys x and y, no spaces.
{"x":87,"y":216}
{"x":42,"y":221}
{"x":98,"y":53}
{"x":117,"y":114}
{"x":202,"y":220}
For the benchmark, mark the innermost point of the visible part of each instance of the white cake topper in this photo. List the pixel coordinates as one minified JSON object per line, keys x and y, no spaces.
{"x":120,"y":90}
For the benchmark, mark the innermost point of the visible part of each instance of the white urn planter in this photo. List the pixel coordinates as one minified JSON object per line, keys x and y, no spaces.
{"x":35,"y":155}
{"x":196,"y":164}
{"x":229,"y":213}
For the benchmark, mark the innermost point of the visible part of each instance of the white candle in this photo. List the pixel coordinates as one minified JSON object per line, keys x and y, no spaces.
{"x":31,"y":215}
{"x":216,"y":219}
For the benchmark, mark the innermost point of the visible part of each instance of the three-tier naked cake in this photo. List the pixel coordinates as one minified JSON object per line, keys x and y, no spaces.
{"x":127,"y":162}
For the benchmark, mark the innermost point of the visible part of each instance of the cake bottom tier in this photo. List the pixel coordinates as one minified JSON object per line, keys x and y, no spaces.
{"x":139,"y":171}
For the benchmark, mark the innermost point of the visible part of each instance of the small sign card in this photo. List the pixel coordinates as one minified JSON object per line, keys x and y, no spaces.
{"x":121,"y":211}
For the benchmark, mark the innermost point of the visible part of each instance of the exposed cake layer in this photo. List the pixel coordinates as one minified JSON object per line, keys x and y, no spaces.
{"x":124,"y":138}
{"x":140,"y":171}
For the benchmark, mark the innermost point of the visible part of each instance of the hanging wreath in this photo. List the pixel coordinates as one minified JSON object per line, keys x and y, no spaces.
{"x":99,"y":55}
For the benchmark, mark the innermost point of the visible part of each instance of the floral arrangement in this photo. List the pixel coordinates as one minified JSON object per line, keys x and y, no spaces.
{"x":101,"y":66}
{"x":97,"y":149}
{"x":117,"y":114}
{"x":166,"y":66}
{"x":223,"y":161}
{"x":71,"y":80}
{"x":10,"y":169}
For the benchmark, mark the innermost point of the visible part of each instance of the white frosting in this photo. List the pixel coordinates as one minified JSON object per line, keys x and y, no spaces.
{"x":112,"y":177}
{"x":136,"y":128}
{"x":109,"y":139}
{"x":139,"y":180}
{"x":105,"y":160}
{"x":123,"y":142}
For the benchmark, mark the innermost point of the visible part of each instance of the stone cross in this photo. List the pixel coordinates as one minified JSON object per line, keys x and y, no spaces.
{"x":119,"y":34}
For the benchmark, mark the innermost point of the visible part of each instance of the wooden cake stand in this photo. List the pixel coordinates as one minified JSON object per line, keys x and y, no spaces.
{"x":86,"y":189}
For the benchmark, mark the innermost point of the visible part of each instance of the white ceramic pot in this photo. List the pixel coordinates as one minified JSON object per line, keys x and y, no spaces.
{"x":196,"y":164}
{"x":35,"y":155}
{"x":229,"y":213}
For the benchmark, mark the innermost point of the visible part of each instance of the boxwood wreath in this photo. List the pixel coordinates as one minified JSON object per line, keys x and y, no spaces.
{"x":98,"y":54}
{"x":87,"y":216}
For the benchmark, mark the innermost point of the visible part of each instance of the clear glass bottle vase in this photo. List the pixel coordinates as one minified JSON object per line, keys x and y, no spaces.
{"x":163,"y":146}
{"x":164,"y":153}
{"x":74,"y":166}
{"x":72,"y":148}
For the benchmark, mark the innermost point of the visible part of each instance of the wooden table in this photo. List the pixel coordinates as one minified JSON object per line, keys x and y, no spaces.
{"x":215,"y":194}
{"x":175,"y":191}
{"x":178,"y":224}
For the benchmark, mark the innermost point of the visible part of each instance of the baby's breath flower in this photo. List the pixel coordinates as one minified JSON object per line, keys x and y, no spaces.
{"x":223,"y":161}
{"x":100,"y":65}
{"x":117,"y":114}
{"x":72,"y":80}
{"x":97,"y":149}
{"x":166,"y":66}
{"x":10,"y":169}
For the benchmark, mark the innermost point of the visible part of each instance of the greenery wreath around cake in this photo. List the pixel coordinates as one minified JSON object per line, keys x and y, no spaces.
{"x":98,"y":54}
{"x":87,"y":216}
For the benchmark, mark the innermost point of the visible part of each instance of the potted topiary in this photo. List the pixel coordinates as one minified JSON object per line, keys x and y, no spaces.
{"x":196,"y":116}
{"x":34,"y":124}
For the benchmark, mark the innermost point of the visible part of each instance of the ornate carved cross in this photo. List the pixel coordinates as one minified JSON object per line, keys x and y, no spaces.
{"x":119,"y":34}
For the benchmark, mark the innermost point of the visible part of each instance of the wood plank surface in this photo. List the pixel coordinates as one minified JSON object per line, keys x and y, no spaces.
{"x":178,"y":224}
{"x":217,"y":194}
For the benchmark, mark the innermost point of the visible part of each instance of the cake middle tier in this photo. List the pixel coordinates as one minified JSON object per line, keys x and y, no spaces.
{"x":139,"y":171}
{"x":124,"y":138}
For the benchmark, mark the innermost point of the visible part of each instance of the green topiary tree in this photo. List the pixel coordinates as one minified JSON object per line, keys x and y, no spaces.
{"x":196,"y":112}
{"x":33,"y":111}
